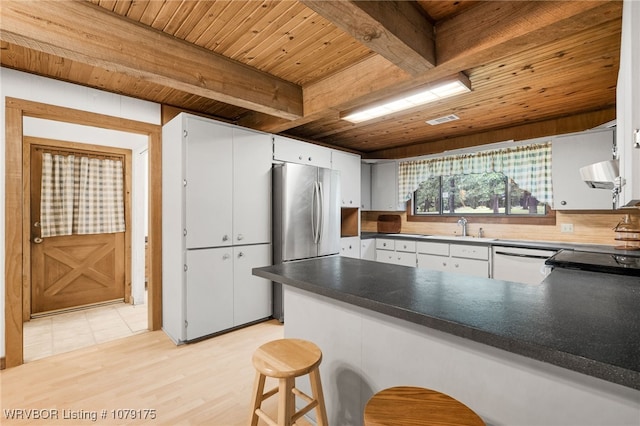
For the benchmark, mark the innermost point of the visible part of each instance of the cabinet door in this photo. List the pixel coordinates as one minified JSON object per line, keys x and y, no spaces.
{"x":627,"y":105}
{"x":384,"y":187}
{"x":294,"y":151}
{"x":350,"y":247}
{"x":433,"y":262}
{"x":208,"y":190}
{"x":477,"y":268}
{"x":209,"y":291}
{"x":252,"y":295}
{"x":368,"y":249}
{"x":569,"y":154}
{"x":385,"y":256}
{"x":349,"y":167}
{"x":251,"y":187}
{"x":365,"y":186}
{"x":404,"y":258}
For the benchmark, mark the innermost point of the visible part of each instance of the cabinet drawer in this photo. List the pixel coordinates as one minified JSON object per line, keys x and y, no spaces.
{"x":439,"y":249}
{"x":470,"y":252}
{"x":406,"y":246}
{"x":385,"y":244}
{"x":396,"y":257}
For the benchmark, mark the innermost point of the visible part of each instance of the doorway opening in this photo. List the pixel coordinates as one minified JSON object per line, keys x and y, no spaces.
{"x":17,"y":238}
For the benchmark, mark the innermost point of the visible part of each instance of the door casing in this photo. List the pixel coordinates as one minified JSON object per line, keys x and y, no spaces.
{"x":17,"y":261}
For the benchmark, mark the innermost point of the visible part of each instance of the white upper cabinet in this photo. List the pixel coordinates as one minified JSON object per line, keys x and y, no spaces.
{"x":569,"y":154}
{"x":227,"y":184}
{"x":384,"y":187}
{"x":628,"y":105}
{"x":349,"y":167}
{"x":208,"y":195}
{"x":251,"y":187}
{"x":365,"y":186}
{"x":295,"y":151}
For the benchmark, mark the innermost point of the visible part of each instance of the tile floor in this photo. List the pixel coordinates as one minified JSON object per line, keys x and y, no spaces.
{"x":73,"y":330}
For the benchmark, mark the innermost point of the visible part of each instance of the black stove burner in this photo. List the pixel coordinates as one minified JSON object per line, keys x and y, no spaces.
{"x":622,"y":264}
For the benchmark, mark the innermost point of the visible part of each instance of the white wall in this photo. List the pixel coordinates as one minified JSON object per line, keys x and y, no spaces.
{"x":21,"y":85}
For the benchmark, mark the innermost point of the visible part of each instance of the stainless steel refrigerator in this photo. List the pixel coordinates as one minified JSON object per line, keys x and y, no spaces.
{"x":306,"y":217}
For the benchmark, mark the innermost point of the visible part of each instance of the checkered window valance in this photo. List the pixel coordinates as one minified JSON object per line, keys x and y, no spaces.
{"x":528,"y":165}
{"x":81,"y":195}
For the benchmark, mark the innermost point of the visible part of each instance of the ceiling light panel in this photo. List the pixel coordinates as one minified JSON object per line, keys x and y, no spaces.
{"x":432,"y":93}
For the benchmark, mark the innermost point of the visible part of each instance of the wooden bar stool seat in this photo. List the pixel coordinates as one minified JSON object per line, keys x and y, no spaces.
{"x":286,"y":359}
{"x":414,"y":406}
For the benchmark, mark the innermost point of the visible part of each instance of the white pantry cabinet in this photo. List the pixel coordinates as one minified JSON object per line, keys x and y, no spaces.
{"x":216,"y":211}
{"x":568,"y":154}
{"x":295,"y":151}
{"x":349,"y":166}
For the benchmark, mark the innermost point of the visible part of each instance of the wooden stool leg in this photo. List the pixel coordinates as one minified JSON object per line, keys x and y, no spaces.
{"x":256,"y":401}
{"x":316,"y":390}
{"x":286,"y":402}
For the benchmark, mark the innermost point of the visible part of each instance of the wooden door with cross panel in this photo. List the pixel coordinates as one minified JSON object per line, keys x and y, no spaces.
{"x":73,"y":270}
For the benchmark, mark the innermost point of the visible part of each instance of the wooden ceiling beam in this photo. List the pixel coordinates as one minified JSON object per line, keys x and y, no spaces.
{"x":495,"y":29}
{"x":396,"y":30}
{"x":85,"y":33}
{"x":507,"y":27}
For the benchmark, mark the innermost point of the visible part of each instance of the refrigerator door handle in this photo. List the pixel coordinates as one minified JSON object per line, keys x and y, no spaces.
{"x":315,"y":213}
{"x":321,"y":211}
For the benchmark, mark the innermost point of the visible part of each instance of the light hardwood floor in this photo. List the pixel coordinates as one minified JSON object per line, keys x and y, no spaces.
{"x":204,"y":383}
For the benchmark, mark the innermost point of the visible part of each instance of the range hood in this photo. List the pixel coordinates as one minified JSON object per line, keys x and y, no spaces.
{"x":602,"y":175}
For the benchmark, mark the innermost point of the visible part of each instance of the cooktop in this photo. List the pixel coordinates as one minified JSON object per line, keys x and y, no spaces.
{"x":611,"y":263}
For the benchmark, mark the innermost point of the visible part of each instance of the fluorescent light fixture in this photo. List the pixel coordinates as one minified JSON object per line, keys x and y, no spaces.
{"x":433,"y":92}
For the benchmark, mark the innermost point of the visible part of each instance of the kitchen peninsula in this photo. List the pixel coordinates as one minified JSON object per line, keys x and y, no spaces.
{"x":563,"y":352}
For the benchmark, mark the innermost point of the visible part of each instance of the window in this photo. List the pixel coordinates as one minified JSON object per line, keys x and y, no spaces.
{"x":511,"y":182}
{"x":471,"y":194}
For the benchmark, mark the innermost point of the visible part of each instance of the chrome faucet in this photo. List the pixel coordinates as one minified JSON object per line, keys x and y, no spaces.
{"x":463,"y":222}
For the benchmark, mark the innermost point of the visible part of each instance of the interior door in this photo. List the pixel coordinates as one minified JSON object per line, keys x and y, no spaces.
{"x":74,"y":270}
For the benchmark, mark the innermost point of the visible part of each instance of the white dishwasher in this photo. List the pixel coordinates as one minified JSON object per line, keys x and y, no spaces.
{"x":522,"y":265}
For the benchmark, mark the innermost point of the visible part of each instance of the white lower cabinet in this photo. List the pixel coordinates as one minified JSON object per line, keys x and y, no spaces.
{"x":396,"y":252}
{"x":368,"y":249}
{"x":462,"y":258}
{"x":220,"y":291}
{"x":208,"y":292}
{"x":350,"y":247}
{"x":251,"y":295}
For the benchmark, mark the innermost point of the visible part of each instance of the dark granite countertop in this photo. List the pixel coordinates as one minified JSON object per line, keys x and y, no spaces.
{"x":583,"y":321}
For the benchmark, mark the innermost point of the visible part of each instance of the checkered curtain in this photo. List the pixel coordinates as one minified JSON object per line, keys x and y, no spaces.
{"x":528,"y":165}
{"x":81,"y":195}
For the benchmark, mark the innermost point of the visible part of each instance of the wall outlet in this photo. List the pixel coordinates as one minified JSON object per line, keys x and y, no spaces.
{"x":566,"y":227}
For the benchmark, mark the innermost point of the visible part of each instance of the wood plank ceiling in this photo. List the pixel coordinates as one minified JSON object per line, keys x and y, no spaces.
{"x":292,"y":67}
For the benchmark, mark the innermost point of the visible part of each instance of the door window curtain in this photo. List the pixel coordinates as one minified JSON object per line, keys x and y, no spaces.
{"x":528,"y":165}
{"x":81,"y":195}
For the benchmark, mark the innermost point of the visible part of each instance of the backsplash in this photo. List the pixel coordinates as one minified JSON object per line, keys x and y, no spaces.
{"x":588,"y":228}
